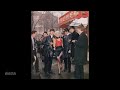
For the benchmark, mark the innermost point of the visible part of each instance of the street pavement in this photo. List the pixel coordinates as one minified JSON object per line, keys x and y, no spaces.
{"x":64,"y":75}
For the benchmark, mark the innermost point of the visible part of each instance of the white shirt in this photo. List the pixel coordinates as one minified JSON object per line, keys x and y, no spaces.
{"x":51,"y":36}
{"x":80,"y":33}
{"x":32,"y":42}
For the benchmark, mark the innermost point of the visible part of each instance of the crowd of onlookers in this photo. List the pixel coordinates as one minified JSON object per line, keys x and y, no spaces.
{"x":70,"y":45}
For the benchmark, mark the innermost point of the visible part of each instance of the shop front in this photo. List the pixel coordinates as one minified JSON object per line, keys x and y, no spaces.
{"x":66,"y":19}
{"x":75,"y":18}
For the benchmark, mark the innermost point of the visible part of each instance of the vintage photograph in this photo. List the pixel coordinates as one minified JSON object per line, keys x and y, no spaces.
{"x":59,"y":44}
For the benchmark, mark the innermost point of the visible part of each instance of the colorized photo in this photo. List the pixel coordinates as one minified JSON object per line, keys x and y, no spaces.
{"x":59,"y":44}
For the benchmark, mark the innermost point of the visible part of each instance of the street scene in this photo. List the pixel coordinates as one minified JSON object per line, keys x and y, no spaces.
{"x":65,"y":75}
{"x":59,"y":44}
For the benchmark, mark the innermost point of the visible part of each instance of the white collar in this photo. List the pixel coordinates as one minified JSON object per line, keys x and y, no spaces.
{"x":68,"y":34}
{"x":31,"y":37}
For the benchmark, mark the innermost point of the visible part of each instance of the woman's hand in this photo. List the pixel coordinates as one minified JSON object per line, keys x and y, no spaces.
{"x":58,"y":58}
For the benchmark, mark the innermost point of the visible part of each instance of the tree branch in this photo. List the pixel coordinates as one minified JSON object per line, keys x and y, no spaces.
{"x":37,"y":21}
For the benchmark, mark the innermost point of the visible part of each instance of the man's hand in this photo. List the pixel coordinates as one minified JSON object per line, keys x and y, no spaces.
{"x":35,"y":58}
{"x":69,"y":40}
{"x":69,"y":51}
{"x":73,"y":40}
{"x":51,"y":43}
{"x":40,"y":39}
{"x":34,"y":61}
{"x":54,"y":48}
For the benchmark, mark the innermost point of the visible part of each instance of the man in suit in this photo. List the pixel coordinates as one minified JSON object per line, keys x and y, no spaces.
{"x":80,"y":52}
{"x":36,"y":50}
{"x":34,"y":60}
{"x":33,"y":33}
{"x":49,"y":52}
{"x":74,"y":37}
{"x":66,"y":45}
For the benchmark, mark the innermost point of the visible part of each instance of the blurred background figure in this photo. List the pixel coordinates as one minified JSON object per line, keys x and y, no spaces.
{"x":34,"y":58}
{"x":42,"y":46}
{"x":66,"y":51}
{"x":81,"y":47}
{"x":45,"y":34}
{"x":74,"y":37}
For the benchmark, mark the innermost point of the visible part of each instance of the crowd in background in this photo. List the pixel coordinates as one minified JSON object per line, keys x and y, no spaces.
{"x":65,"y":47}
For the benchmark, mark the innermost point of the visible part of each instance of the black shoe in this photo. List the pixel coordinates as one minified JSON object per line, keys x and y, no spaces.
{"x":43,"y":69}
{"x":65,"y":70}
{"x":59,"y":73}
{"x":69,"y":71}
{"x":51,"y":72}
{"x":47,"y":74}
{"x":37,"y":71}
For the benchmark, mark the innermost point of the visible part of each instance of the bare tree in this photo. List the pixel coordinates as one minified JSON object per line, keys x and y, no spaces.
{"x":47,"y":20}
{"x":32,"y":20}
{"x":40,"y":17}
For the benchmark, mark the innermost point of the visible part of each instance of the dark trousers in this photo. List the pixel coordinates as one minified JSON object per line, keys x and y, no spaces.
{"x":67,"y":63}
{"x":37,"y":62}
{"x":72,"y":50}
{"x":48,"y":64}
{"x":37,"y":65}
{"x":79,"y":72}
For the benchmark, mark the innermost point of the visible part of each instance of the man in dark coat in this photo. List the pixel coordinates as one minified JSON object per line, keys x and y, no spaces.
{"x":48,"y":50}
{"x":66,"y":45}
{"x":33,"y":51}
{"x":80,"y":52}
{"x":74,"y":37}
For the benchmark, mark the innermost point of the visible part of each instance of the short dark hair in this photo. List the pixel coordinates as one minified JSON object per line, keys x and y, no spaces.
{"x":66,"y":30}
{"x":72,"y":27}
{"x":45,"y":32}
{"x":52,"y":30}
{"x":33,"y":32}
{"x":81,"y":27}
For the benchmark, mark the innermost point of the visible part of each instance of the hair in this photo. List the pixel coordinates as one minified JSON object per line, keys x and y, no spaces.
{"x":81,"y":27}
{"x":33,"y":32}
{"x":66,"y":30}
{"x":57,"y":32}
{"x":45,"y":32}
{"x":52,"y":30}
{"x":72,"y":27}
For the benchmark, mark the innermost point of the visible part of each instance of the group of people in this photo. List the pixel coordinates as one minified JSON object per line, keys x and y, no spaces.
{"x":72,"y":44}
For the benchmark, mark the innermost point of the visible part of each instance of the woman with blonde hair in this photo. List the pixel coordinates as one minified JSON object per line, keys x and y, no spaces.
{"x":58,"y":47}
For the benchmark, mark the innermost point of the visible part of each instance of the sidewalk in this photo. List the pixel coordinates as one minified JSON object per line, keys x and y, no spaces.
{"x":64,"y":75}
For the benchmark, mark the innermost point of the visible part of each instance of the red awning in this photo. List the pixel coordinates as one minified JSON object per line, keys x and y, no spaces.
{"x":70,"y":16}
{"x":65,"y":25}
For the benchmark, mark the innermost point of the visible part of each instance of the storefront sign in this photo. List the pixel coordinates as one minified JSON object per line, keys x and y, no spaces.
{"x":71,"y":15}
